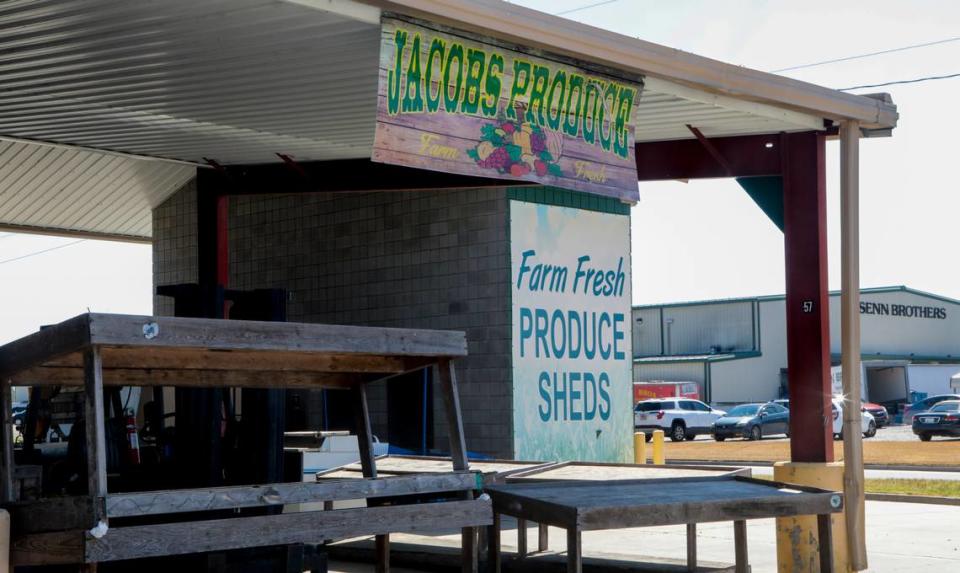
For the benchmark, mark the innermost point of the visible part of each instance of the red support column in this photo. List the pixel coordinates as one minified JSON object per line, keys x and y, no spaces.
{"x":808,"y":312}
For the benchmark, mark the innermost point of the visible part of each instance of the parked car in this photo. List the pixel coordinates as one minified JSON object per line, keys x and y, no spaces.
{"x":879,"y":413}
{"x":867,"y":424}
{"x":680,"y":418}
{"x":943,"y":419}
{"x":753,"y":422}
{"x":925,"y":405}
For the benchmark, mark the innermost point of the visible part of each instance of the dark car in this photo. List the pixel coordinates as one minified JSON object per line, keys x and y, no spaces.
{"x":753,"y":422}
{"x":925,"y":404}
{"x":941,"y":420}
{"x":879,"y":413}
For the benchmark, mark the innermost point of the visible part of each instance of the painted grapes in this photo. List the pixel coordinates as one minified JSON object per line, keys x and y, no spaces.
{"x":515,"y":148}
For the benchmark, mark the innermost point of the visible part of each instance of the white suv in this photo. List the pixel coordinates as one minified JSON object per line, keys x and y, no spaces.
{"x":868,"y":424}
{"x":679,"y":418}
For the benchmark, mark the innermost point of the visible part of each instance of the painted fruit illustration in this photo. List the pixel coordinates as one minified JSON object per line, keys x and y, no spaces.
{"x":517,"y":148}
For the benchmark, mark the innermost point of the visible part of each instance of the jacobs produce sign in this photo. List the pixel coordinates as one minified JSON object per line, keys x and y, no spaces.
{"x":452,"y":103}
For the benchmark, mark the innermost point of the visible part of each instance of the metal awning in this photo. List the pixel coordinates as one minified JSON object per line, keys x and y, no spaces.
{"x":241,"y":81}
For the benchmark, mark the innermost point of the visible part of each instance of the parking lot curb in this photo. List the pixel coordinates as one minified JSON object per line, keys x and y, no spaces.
{"x":904,"y":498}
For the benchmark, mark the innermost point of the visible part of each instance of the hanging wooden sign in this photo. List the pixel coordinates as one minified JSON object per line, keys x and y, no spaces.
{"x":450,"y":102}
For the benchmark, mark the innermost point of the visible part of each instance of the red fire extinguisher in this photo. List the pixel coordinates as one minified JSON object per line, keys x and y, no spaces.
{"x":133,"y":451}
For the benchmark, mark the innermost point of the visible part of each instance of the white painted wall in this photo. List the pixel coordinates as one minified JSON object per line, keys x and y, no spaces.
{"x":932,"y":378}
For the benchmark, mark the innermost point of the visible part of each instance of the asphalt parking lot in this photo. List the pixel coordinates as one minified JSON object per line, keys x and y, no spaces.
{"x":899,"y":433}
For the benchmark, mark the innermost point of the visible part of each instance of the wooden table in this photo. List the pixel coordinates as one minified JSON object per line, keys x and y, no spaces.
{"x":98,"y":350}
{"x":579,"y":506}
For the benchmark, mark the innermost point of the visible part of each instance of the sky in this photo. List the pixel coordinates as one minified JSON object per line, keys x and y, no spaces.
{"x":699,"y":240}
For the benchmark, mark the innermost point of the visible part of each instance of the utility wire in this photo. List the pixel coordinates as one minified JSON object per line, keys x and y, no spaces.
{"x":585,"y":7}
{"x":869,"y":54}
{"x":35,"y":253}
{"x":898,"y":82}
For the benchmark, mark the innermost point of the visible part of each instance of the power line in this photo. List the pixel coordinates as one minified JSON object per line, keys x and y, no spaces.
{"x":869,"y":54}
{"x":35,"y":253}
{"x":898,"y":82}
{"x":585,"y":7}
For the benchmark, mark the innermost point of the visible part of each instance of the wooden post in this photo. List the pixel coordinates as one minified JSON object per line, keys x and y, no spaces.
{"x":95,"y":430}
{"x":368,"y":465}
{"x":493,"y":545}
{"x":825,"y":539}
{"x":742,"y":559}
{"x":574,"y":554}
{"x":445,"y":374}
{"x":6,"y":400}
{"x":691,"y":547}
{"x":522,"y":538}
{"x":853,"y":493}
{"x":543,"y":534}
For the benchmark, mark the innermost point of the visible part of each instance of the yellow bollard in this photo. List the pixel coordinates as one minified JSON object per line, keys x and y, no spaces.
{"x":658,"y":447}
{"x":639,"y":448}
{"x":798,"y":547}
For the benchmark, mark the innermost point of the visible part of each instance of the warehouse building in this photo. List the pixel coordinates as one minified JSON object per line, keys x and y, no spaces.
{"x":736,"y":349}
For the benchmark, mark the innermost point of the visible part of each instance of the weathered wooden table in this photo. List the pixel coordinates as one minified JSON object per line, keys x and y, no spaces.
{"x":97,"y":350}
{"x":586,"y":506}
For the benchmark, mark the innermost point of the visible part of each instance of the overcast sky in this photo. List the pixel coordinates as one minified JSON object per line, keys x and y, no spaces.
{"x":704,"y":239}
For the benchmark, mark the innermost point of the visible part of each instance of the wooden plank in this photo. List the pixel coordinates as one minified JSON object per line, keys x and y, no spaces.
{"x":543,"y":537}
{"x":7,"y":466}
{"x":382,"y":548}
{"x":68,"y":336}
{"x":742,"y":560}
{"x":204,"y":358}
{"x":691,"y":547}
{"x":54,"y":548}
{"x":177,"y":501}
{"x":574,"y":551}
{"x":825,"y":538}
{"x":70,"y":376}
{"x":361,"y":417}
{"x":95,"y":427}
{"x":128,"y":330}
{"x":308,"y":527}
{"x":52,"y":514}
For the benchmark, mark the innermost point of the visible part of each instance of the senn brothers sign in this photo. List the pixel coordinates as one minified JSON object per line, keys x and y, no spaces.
{"x":450,"y":102}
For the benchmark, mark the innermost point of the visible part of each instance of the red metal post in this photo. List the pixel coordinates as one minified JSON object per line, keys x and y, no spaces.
{"x":808,"y":312}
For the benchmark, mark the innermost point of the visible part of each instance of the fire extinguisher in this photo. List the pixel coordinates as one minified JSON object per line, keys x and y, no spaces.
{"x":133,"y":442}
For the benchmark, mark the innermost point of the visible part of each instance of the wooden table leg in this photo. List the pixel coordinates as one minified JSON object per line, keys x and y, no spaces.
{"x":740,"y":546}
{"x":825,"y":535}
{"x":543,"y":534}
{"x":574,"y":551}
{"x":368,"y":465}
{"x":6,"y":415}
{"x":493,"y":545}
{"x":522,"y":538}
{"x":691,"y":546}
{"x":95,"y":426}
{"x":445,"y":374}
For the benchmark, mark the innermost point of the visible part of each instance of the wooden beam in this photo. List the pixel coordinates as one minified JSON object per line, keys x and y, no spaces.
{"x":177,"y":332}
{"x":68,"y":336}
{"x":188,"y":500}
{"x":493,"y":545}
{"x":308,"y":527}
{"x":744,"y":156}
{"x":825,"y":541}
{"x":95,"y":428}
{"x":691,"y":547}
{"x":70,"y":376}
{"x":52,"y":514}
{"x":54,"y":548}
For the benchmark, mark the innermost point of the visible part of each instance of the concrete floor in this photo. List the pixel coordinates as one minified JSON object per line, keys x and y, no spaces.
{"x":901,"y":538}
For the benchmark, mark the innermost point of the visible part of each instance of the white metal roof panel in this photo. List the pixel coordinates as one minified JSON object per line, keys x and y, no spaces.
{"x":59,"y":189}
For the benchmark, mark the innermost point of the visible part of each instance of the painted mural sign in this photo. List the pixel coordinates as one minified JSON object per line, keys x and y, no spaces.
{"x":572,"y":388}
{"x":451,"y":103}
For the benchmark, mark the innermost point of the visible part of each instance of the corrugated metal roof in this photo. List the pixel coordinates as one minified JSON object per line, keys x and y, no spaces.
{"x":47,"y":188}
{"x":236,"y":81}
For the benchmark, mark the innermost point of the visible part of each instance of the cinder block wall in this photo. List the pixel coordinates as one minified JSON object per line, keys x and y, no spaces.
{"x":174,"y":244}
{"x":423,"y":259}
